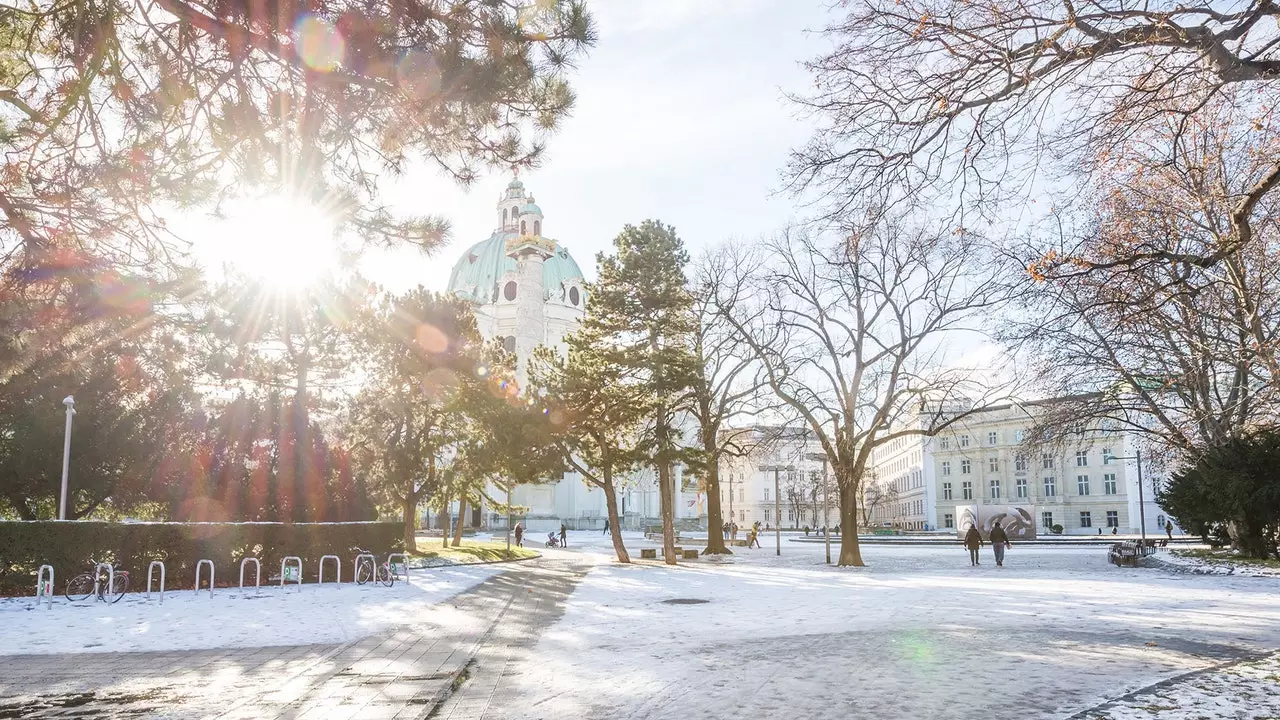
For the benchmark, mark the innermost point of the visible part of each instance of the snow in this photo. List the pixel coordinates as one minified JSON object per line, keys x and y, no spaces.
{"x":918,"y":633}
{"x":1204,"y":566}
{"x":319,"y":614}
{"x":1246,"y":690}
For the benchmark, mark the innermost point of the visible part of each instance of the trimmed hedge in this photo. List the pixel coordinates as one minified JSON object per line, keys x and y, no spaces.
{"x":68,"y":546}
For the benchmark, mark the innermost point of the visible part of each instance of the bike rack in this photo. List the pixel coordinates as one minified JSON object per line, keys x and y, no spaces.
{"x":200,"y":565}
{"x":391,"y":565}
{"x":285,"y":562}
{"x":41,"y":591}
{"x":337,"y":560}
{"x":111,"y":577}
{"x":257,"y":574}
{"x":151,"y":569}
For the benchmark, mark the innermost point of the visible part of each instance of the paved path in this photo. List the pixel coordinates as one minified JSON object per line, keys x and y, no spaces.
{"x":449,"y":665}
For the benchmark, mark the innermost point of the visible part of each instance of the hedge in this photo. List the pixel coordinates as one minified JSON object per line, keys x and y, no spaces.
{"x":68,"y":546}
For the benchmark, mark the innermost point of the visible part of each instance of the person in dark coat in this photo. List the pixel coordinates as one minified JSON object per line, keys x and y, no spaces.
{"x":999,"y":541}
{"x":564,"y":536}
{"x":606,"y":527}
{"x":973,"y":541}
{"x":519,"y":534}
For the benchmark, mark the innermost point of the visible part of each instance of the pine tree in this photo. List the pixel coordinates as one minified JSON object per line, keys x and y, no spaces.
{"x":642,"y":315}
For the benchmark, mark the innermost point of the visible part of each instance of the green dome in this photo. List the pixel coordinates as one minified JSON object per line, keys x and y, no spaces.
{"x":530,"y":208}
{"x":475,"y":275}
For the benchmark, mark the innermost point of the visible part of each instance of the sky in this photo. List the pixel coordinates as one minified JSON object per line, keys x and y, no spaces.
{"x":681,"y":117}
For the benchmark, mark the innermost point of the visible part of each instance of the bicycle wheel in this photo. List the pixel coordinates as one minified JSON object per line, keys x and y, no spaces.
{"x":386,"y":575}
{"x":364,"y":572}
{"x":80,"y":588}
{"x":119,"y":586}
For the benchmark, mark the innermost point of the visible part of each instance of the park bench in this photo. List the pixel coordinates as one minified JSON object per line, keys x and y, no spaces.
{"x":1123,"y":553}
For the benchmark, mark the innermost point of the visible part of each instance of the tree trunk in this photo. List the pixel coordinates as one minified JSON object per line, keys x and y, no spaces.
{"x":667,"y":497}
{"x":615,"y":525}
{"x":462,"y":512}
{"x":850,"y":554}
{"x":442,"y":519}
{"x":715,"y":514}
{"x":410,"y":508}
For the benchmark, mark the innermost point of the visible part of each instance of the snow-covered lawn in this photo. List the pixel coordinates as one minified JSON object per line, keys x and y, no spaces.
{"x":1248,"y":690}
{"x":1201,"y":565}
{"x":319,"y":614}
{"x":918,"y":633}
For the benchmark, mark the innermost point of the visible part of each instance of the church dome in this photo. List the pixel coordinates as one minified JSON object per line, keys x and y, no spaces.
{"x":476,"y":274}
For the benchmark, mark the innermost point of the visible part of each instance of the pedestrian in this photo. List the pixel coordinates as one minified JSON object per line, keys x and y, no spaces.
{"x":806,"y":531}
{"x":733,"y":531}
{"x":1168,"y":529}
{"x":725,"y":529}
{"x":519,"y":534}
{"x":564,"y":536}
{"x":837,"y":529}
{"x":973,"y":541}
{"x":1115,"y":530}
{"x":999,"y":541}
{"x":606,"y":527}
{"x":753,"y":539}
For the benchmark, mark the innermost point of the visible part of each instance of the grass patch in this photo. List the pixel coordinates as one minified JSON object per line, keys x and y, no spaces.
{"x":471,"y":551}
{"x":1227,"y":557}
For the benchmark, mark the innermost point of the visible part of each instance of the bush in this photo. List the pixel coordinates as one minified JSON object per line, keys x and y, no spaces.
{"x":1056,"y":529}
{"x":67,"y":546}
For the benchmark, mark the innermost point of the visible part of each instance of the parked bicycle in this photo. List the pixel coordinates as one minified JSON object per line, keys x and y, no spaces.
{"x":108,"y":587}
{"x":369,"y":570}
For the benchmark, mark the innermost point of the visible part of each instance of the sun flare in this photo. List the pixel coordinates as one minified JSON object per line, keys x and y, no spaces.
{"x":285,"y":242}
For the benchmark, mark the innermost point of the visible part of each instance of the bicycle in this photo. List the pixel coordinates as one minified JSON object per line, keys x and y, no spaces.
{"x":85,"y":585}
{"x":367,"y":570}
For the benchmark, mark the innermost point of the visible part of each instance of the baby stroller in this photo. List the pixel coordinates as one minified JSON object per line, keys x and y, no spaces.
{"x":552,"y":540}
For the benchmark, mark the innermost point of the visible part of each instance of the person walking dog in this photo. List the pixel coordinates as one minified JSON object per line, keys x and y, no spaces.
{"x":973,"y":541}
{"x":999,"y":541}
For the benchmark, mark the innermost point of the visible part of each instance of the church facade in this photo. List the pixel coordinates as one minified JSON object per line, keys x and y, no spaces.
{"x":528,"y":290}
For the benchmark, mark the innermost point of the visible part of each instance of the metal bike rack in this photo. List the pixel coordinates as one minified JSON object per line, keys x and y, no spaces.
{"x":373,"y":565}
{"x":257,"y":574}
{"x":200,"y":565}
{"x":391,"y":564}
{"x":151,"y":569}
{"x":42,"y":591}
{"x":298,"y":561}
{"x":111,"y":577}
{"x":337,"y":560}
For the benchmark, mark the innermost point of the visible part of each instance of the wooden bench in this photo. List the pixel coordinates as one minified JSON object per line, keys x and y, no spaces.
{"x":648,"y":553}
{"x":690,"y":554}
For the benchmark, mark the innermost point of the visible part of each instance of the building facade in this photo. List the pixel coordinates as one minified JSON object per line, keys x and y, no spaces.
{"x":781,"y":480}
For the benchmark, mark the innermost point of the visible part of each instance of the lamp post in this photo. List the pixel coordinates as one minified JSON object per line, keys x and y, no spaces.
{"x":826,"y":500}
{"x":508,"y":517}
{"x":70,"y":402}
{"x":1142,"y":509}
{"x":777,"y":504}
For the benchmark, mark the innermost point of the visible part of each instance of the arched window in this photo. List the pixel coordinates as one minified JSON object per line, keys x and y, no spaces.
{"x":509,"y":343}
{"x":514,"y":213}
{"x":537,"y":227}
{"x":574,"y":297}
{"x":504,"y":217}
{"x":509,"y":291}
{"x":522,"y":230}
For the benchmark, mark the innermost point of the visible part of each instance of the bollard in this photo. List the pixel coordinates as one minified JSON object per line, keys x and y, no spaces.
{"x":151,"y":569}
{"x":337,"y":560}
{"x":200,"y":565}
{"x":45,"y":590}
{"x":111,"y":577}
{"x":391,"y":562}
{"x":284,"y":563}
{"x":257,"y":574}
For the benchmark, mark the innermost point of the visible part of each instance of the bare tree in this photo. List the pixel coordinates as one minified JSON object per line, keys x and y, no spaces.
{"x":851,"y":338}
{"x":978,"y":98}
{"x":876,"y":494}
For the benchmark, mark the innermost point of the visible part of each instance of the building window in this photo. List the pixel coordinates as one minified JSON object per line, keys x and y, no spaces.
{"x":1050,"y":487}
{"x":1021,"y":484}
{"x":509,"y":290}
{"x":1082,"y":484}
{"x":742,"y":495}
{"x":965,"y":467}
{"x":523,"y":228}
{"x":791,"y":516}
{"x":1082,"y":458}
{"x":946,"y":491}
{"x":1107,"y":457}
{"x":964,"y":441}
{"x":948,"y":520}
{"x":537,"y":227}
{"x":992,"y":438}
{"x":1046,"y":461}
{"x":1018,"y":435}
{"x":514,"y":212}
{"x":993,"y":464}
{"x":966,"y":490}
{"x":768,"y":515}
{"x":1086,"y":519}
{"x":1020,"y":463}
{"x":742,"y":515}
{"x":944,"y":443}
{"x":946,"y":467}
{"x":766,"y":494}
{"x":574,"y":296}
{"x":504,"y":217}
{"x":1046,"y":520}
{"x":994,"y":486}
{"x":509,"y":343}
{"x":1113,"y":518}
{"x":1109,"y":483}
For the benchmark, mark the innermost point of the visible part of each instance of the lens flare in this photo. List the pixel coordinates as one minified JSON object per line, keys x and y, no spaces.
{"x":319,"y":43}
{"x":430,"y":339}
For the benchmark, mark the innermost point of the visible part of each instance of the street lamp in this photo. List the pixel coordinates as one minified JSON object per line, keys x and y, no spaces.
{"x":777,"y":505}
{"x":826,"y":500}
{"x":1142,"y":510}
{"x":70,"y":402}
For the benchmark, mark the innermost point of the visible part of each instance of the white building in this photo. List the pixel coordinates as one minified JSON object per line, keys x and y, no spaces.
{"x":752,"y":491}
{"x":527,"y":289}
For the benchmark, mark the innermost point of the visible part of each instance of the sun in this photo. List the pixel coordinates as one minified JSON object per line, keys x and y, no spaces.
{"x":285,"y":242}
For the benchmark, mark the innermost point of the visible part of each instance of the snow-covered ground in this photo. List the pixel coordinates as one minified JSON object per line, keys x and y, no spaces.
{"x":319,"y":614}
{"x":918,"y":633}
{"x":1247,"y":690}
{"x":1213,"y":566}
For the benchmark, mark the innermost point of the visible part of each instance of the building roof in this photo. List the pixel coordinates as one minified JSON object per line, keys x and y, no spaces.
{"x":475,"y":275}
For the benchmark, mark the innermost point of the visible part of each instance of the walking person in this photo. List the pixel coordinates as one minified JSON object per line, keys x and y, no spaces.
{"x":606,"y":527}
{"x":973,"y":541}
{"x":999,"y":541}
{"x":564,"y":536}
{"x":1168,"y":529}
{"x":753,"y":539}
{"x":519,"y":534}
